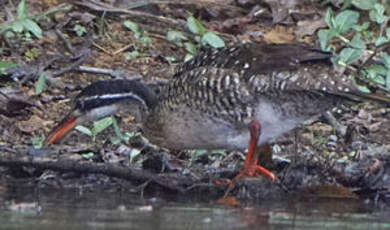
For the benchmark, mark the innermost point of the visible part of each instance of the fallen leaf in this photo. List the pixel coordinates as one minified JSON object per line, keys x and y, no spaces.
{"x":331,"y":191}
{"x":31,"y":125}
{"x":229,"y":200}
{"x":375,"y":127}
{"x":280,"y":9}
{"x":235,"y":25}
{"x":279,"y":34}
{"x":308,"y":27}
{"x":14,"y":102}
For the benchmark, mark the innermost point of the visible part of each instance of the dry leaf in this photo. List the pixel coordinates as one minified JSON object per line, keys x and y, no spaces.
{"x":330,"y":191}
{"x":229,"y":200}
{"x":279,"y":34}
{"x":308,"y":27}
{"x":31,"y":125}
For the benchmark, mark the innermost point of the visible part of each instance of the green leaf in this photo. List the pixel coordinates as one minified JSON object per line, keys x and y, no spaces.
{"x":200,"y":152}
{"x":374,"y":74}
{"x":324,"y":36}
{"x":197,"y":38}
{"x":171,"y":59}
{"x":131,"y":55}
{"x":329,"y":18}
{"x":377,"y":14}
{"x":116,"y":127}
{"x":378,"y":79}
{"x":145,"y":40}
{"x":133,"y":27}
{"x":32,"y":54}
{"x":346,"y":20}
{"x":386,"y":59}
{"x":87,"y":156}
{"x":17,"y":26}
{"x":219,"y":152}
{"x":6,"y":65}
{"x":379,"y":69}
{"x":349,"y":55}
{"x":363,"y":88}
{"x":83,"y":129}
{"x":134,"y":153}
{"x":388,"y":32}
{"x":41,"y":84}
{"x":368,"y":35}
{"x":119,"y":137}
{"x":357,"y":42}
{"x":190,"y":47}
{"x":37,"y":142}
{"x":195,"y":26}
{"x":100,"y":125}
{"x":213,"y":40}
{"x":115,"y":140}
{"x":22,"y":10}
{"x":363,"y":27}
{"x":364,"y":4}
{"x":346,"y":4}
{"x":80,"y":30}
{"x":175,"y":37}
{"x":129,"y":135}
{"x":27,"y":37}
{"x":379,"y":8}
{"x":381,"y":40}
{"x":188,"y":57}
{"x":33,"y":27}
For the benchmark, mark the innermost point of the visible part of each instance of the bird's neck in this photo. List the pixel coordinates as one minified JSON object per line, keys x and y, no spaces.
{"x":105,"y":97}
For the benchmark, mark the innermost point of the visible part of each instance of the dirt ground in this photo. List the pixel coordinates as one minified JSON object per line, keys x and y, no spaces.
{"x":346,"y":158}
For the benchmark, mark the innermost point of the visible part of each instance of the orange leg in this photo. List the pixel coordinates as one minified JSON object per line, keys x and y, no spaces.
{"x":251,"y":168}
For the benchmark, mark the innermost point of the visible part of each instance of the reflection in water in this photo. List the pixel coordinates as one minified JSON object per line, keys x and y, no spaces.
{"x":93,"y":210}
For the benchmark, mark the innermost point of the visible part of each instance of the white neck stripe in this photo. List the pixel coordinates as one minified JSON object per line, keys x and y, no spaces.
{"x":116,"y":96}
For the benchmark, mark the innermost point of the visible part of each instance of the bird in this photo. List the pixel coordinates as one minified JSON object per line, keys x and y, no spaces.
{"x":235,"y":98}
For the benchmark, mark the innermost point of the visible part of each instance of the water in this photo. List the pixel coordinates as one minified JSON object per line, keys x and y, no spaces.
{"x":73,"y":209}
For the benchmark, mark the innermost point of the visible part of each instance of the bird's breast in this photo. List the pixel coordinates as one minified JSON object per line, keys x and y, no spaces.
{"x":191,"y":129}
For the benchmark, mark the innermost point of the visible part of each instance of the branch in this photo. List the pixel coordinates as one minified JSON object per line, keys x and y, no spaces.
{"x":172,"y":182}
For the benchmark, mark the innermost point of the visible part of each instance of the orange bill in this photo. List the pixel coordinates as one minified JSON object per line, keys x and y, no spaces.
{"x":60,"y":130}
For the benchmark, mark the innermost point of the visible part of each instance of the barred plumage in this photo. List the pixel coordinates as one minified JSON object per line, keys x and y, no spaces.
{"x":211,"y":100}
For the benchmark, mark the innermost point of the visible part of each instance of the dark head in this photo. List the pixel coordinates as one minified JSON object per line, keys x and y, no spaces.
{"x":101,"y":99}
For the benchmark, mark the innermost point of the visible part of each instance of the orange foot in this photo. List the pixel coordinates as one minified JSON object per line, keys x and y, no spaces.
{"x":256,"y":170}
{"x":251,"y":168}
{"x":251,"y":172}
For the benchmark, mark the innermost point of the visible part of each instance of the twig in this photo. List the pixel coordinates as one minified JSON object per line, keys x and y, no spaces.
{"x":114,"y":73}
{"x":136,"y":175}
{"x":66,"y":41}
{"x":101,"y":48}
{"x":99,"y":6}
{"x":340,"y":129}
{"x":122,"y":49}
{"x":72,"y":66}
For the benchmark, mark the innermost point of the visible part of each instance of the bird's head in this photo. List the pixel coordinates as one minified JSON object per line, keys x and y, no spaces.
{"x":102,"y":99}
